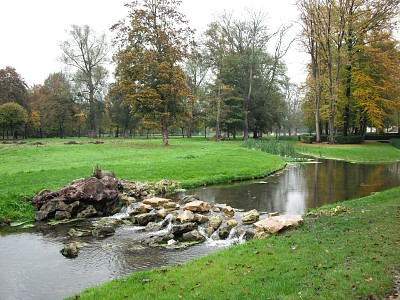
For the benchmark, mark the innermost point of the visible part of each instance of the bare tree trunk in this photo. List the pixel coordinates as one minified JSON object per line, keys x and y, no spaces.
{"x":165,"y":133}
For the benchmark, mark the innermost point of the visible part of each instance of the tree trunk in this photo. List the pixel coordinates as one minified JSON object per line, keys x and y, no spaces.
{"x":165,"y":133}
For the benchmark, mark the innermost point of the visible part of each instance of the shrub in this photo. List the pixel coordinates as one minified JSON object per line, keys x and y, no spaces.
{"x":351,"y":139}
{"x":307,"y":139}
{"x":287,"y":138}
{"x":395,"y":143}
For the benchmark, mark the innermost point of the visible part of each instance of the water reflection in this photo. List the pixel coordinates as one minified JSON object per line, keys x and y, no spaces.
{"x":304,"y":186}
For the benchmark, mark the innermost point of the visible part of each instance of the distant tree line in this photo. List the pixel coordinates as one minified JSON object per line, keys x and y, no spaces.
{"x":230,"y":79}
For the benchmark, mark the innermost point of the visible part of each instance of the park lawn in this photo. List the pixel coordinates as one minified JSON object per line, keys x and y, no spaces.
{"x":28,"y":168}
{"x":368,"y":152}
{"x":351,"y":253}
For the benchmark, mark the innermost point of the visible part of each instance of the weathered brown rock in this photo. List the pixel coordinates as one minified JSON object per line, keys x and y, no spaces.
{"x":70,"y":250}
{"x":215,"y":222}
{"x":186,"y":216}
{"x":197,"y":206}
{"x":250,"y":217}
{"x":178,"y":230}
{"x":102,"y":194}
{"x":193,"y":236}
{"x":199,"y":218}
{"x":156,"y":202}
{"x":144,"y":219}
{"x":88,"y":212}
{"x":277,"y":223}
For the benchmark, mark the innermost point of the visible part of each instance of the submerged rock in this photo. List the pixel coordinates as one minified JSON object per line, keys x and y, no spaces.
{"x":70,"y":250}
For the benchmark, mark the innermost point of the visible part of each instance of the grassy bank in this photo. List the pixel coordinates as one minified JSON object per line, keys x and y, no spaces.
{"x":351,"y":254}
{"x":369,"y":152}
{"x":28,"y":168}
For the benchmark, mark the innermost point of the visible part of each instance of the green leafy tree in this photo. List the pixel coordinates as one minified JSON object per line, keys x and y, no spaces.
{"x":12,"y":117}
{"x":153,"y":45}
{"x":12,"y":87}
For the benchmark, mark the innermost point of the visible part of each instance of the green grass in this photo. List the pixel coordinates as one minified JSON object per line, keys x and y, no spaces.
{"x":345,"y":255}
{"x":369,"y":152}
{"x":26,"y":169}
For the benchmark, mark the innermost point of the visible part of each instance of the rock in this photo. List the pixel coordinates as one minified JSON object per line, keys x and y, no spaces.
{"x":102,"y":194}
{"x":186,"y":216}
{"x":277,"y":223}
{"x":144,"y":219}
{"x":74,"y":208}
{"x":140,"y":209}
{"x":224,"y":231}
{"x":228,"y":211}
{"x":200,"y":219}
{"x":171,"y":206}
{"x":215,"y":222}
{"x":127,"y":200}
{"x":162,"y":213}
{"x":193,"y":236}
{"x":134,"y":189}
{"x":70,"y":250}
{"x":152,"y":226}
{"x":61,"y":215}
{"x":88,"y":212}
{"x":190,"y":198}
{"x":156,"y":202}
{"x":209,"y":231}
{"x":232,"y":223}
{"x":197,"y":206}
{"x":103,"y":231}
{"x":179,"y":230}
{"x":250,"y":217}
{"x":161,"y":187}
{"x":79,"y":233}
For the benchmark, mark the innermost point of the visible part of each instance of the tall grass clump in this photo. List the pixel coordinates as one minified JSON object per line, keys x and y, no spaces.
{"x":281,"y":148}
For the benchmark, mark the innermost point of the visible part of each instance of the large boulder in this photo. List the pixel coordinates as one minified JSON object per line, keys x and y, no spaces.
{"x":100,"y":195}
{"x":197,"y":206}
{"x":277,"y":223}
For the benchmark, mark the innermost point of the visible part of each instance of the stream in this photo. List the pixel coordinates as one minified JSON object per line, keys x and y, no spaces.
{"x":31,"y":266}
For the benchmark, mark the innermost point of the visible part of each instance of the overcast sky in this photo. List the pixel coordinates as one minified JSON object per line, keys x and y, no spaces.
{"x":31,"y":30}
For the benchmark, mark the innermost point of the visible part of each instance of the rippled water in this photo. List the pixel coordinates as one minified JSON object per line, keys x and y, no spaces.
{"x":31,"y":266}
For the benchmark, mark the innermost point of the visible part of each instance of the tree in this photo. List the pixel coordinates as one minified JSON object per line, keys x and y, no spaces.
{"x":12,"y":116}
{"x":87,"y":54}
{"x":239,"y":51}
{"x":12,"y":87}
{"x":152,"y":47}
{"x":59,"y":107}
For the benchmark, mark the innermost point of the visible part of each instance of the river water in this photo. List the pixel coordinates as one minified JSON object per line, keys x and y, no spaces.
{"x":31,"y":266}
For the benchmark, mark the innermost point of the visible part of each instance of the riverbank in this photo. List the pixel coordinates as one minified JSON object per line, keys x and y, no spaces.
{"x":343,"y":251}
{"x":29,"y":167}
{"x":368,"y":152}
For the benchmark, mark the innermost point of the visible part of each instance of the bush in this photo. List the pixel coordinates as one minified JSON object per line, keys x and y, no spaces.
{"x":395,"y":143}
{"x":351,"y":139}
{"x":307,"y":139}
